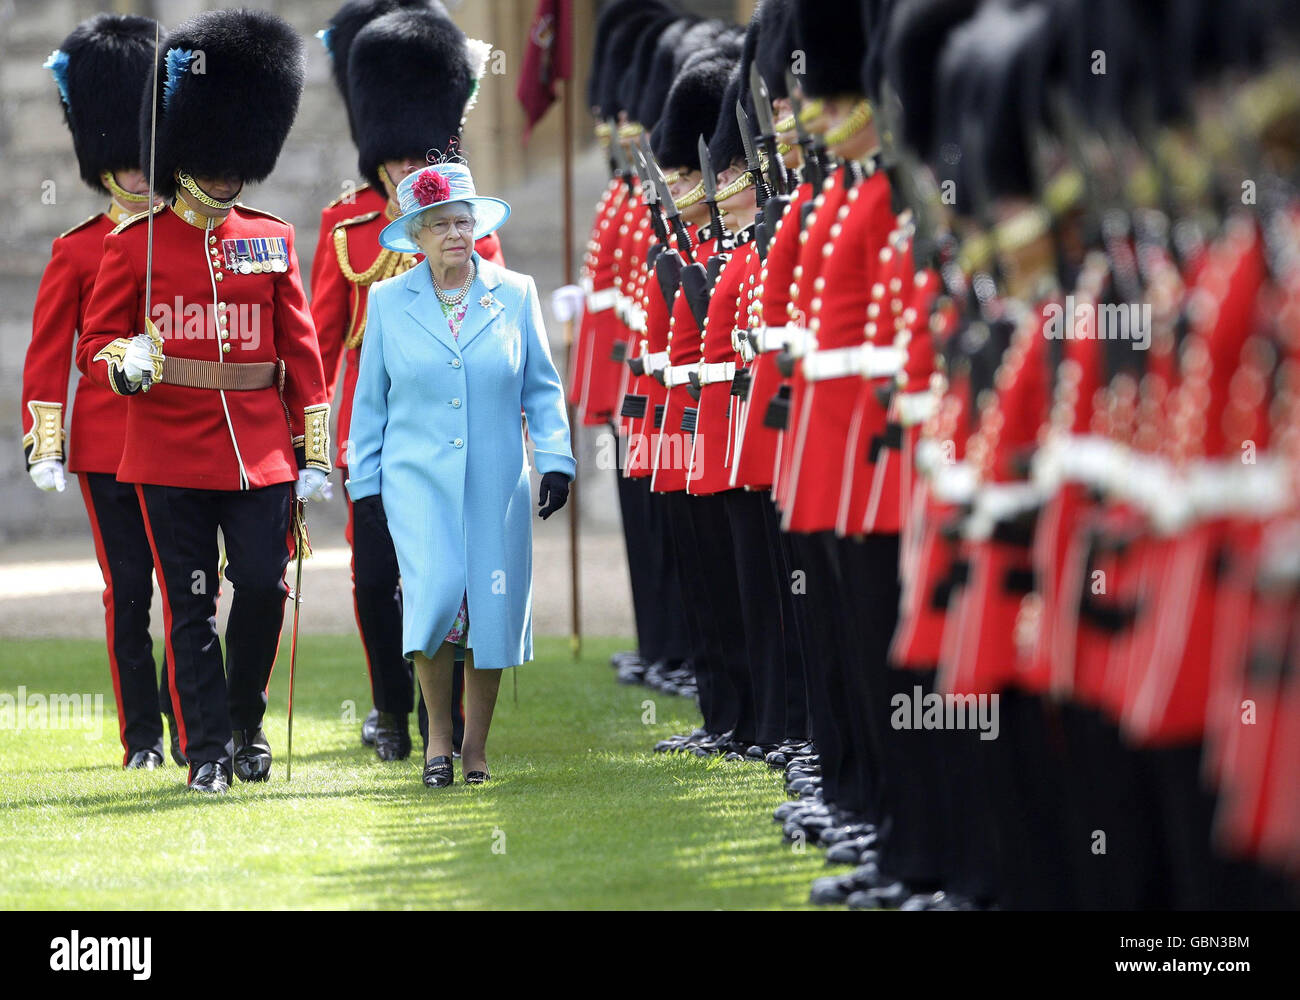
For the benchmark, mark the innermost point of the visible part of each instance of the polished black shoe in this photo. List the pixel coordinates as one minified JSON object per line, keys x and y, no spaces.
{"x":849,"y":831}
{"x":857,"y":851}
{"x":884,"y":897}
{"x":831,"y":889}
{"x":252,"y":755}
{"x":438,"y":772}
{"x":632,"y":671}
{"x":618,"y":659}
{"x":210,"y":777}
{"x":393,"y":737}
{"x":370,"y":728}
{"x":477,"y":777}
{"x":178,"y":756}
{"x":144,"y":760}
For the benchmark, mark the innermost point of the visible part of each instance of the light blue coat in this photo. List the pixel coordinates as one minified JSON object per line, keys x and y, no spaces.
{"x":436,"y":432}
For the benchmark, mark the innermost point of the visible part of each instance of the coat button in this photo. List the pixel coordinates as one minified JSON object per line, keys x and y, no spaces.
{"x":455,"y":362}
{"x":459,"y":442}
{"x":225,"y":348}
{"x":456,"y":403}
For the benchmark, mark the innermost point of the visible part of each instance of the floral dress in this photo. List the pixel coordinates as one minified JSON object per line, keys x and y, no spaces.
{"x":458,"y":634}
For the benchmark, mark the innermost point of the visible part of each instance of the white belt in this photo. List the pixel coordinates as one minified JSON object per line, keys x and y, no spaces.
{"x":866,"y":360}
{"x":604,"y":299}
{"x":721,"y":371}
{"x":653,"y":362}
{"x":678,"y":374}
{"x":777,"y":338}
{"x":998,"y":502}
{"x":915,"y":407}
{"x":636,"y":318}
{"x":587,"y":284}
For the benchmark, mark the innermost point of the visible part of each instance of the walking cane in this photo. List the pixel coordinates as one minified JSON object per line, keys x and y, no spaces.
{"x":302,"y":547}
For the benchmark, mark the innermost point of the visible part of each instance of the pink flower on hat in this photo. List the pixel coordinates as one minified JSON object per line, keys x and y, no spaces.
{"x":430,"y":188}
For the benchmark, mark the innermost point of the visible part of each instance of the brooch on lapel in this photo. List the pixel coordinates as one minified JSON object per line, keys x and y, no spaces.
{"x":486,"y":300}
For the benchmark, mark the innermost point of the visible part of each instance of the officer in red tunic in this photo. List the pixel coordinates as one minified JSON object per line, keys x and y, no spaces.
{"x":235,"y":421}
{"x":394,"y":128}
{"x":104,"y":58}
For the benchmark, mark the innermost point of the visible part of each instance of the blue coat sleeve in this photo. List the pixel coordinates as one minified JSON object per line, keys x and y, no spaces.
{"x":542,"y":397}
{"x":365,"y":446}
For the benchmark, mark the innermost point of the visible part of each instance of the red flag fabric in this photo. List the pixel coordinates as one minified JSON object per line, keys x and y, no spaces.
{"x":548,"y":58}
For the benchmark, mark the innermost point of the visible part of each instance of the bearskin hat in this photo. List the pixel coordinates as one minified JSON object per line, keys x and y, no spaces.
{"x":102,"y":70}
{"x":229,"y":82}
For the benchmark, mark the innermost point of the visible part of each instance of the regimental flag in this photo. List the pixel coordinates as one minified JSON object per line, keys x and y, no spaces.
{"x":547,"y":59}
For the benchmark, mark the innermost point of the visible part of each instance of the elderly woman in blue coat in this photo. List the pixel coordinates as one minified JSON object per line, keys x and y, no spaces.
{"x":454,"y":350}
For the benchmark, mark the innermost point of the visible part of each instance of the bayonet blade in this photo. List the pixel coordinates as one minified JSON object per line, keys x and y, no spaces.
{"x":796,"y":105}
{"x":762,"y":102}
{"x":747,"y":139}
{"x":706,"y":168}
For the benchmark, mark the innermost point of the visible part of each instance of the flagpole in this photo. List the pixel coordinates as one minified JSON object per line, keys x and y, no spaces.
{"x":566,"y":113}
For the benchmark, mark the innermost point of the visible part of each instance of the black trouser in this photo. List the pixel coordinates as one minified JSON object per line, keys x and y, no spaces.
{"x":652,"y":569}
{"x":767,"y":610}
{"x":817,"y":592}
{"x":122,"y":548}
{"x":213,"y":700}
{"x":869,"y":573}
{"x":377,"y":599}
{"x":717,"y":650}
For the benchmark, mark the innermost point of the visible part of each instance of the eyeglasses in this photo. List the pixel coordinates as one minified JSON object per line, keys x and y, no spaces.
{"x":443,"y":226}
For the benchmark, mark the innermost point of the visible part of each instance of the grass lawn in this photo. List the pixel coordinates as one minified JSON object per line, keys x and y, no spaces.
{"x":580,"y":810}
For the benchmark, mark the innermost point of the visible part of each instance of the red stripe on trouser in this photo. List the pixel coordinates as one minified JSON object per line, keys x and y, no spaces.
{"x":110,"y":629}
{"x":352,"y":566}
{"x":167,"y":629}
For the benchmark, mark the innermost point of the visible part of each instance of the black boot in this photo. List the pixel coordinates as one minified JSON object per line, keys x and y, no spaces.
{"x":393,"y":736}
{"x":369,"y":728}
{"x":252,"y":755}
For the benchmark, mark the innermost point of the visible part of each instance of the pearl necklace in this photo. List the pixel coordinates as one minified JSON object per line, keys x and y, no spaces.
{"x":455,"y":300}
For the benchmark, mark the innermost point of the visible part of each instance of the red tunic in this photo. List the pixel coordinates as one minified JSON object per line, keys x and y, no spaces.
{"x":711,"y":449}
{"x":98,"y":415}
{"x":838,"y":307}
{"x":643,"y":431}
{"x":672,"y":445}
{"x":816,"y":246}
{"x":756,"y":442}
{"x":205,"y":438}
{"x":600,"y":321}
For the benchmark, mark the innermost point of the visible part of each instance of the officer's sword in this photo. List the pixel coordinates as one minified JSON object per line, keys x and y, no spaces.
{"x":302,"y":547}
{"x":146,"y":377}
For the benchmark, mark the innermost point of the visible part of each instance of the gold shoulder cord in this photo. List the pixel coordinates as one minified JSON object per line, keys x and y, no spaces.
{"x":388,"y":263}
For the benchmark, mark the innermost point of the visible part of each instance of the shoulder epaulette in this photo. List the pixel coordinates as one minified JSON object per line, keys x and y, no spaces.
{"x":80,"y":225}
{"x":257,"y":211}
{"x":356,"y":220}
{"x":352,"y":194}
{"x":134,"y":219}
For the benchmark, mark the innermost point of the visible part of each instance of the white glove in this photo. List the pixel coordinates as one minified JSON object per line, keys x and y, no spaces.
{"x":141,"y":356}
{"x":48,"y":474}
{"x":310,"y":482}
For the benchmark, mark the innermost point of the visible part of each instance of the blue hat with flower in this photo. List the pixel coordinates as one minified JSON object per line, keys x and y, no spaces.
{"x":441,"y":184}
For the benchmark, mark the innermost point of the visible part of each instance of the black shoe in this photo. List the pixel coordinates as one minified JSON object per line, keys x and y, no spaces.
{"x":438,"y":772}
{"x":144,"y":760}
{"x":885,"y":897}
{"x":393,"y":736}
{"x":477,"y":777}
{"x":178,"y":757}
{"x":857,"y":851}
{"x":252,"y":755}
{"x":370,"y":728}
{"x":210,"y":777}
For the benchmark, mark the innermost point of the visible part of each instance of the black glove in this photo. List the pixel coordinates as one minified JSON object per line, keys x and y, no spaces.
{"x":369,"y":507}
{"x":553,"y":495}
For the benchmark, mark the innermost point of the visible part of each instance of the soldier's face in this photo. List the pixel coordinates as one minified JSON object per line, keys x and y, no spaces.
{"x":397,"y":169}
{"x":686,"y":182}
{"x":134,"y":181}
{"x":220,"y":188}
{"x":739,"y":208}
{"x":861,"y":142}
